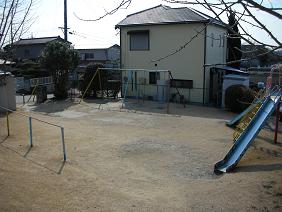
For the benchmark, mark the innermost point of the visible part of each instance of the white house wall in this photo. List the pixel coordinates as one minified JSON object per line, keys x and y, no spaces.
{"x":216,"y":50}
{"x":7,"y":93}
{"x":165,"y":39}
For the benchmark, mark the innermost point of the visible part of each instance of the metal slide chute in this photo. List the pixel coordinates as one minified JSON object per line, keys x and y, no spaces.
{"x":250,"y":128}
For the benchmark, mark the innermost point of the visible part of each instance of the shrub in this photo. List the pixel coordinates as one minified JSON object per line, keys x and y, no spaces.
{"x":238,"y":98}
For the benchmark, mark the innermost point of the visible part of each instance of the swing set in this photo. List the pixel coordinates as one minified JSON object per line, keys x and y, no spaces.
{"x":134,"y":84}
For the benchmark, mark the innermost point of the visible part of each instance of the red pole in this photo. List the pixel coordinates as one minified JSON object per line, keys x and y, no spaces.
{"x":277,"y":121}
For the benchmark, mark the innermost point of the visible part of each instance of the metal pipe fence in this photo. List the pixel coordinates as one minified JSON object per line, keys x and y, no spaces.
{"x":30,"y":128}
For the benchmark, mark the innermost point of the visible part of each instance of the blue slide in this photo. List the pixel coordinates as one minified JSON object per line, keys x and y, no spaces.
{"x":247,"y":137}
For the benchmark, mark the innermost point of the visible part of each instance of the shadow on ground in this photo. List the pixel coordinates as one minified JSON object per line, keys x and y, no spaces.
{"x":56,"y":168}
{"x":51,"y":106}
{"x":134,"y":106}
{"x":152,"y":107}
{"x":260,"y":168}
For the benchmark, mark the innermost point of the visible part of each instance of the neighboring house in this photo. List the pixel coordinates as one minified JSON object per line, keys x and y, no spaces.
{"x":250,"y":52}
{"x":32,"y":48}
{"x":158,"y":32}
{"x":110,"y":57}
{"x":254,"y":58}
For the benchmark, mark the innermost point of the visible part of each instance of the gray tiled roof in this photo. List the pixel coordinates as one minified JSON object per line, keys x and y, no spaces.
{"x":42,"y":40}
{"x":165,"y":15}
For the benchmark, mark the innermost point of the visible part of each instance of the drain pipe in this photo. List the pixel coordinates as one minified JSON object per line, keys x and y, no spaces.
{"x":204,"y":66}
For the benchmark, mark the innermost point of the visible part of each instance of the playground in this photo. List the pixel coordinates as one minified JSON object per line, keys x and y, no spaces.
{"x":133,"y":160}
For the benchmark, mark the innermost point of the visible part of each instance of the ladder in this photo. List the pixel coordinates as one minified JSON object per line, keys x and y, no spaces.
{"x":246,"y":120}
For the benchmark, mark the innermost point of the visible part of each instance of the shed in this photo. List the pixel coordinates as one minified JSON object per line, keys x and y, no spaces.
{"x":220,"y":81}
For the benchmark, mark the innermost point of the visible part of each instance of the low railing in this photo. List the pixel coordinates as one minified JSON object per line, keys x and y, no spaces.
{"x":30,"y":121}
{"x":41,"y":81}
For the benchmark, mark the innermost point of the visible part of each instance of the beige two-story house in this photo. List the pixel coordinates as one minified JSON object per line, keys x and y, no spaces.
{"x":181,"y":40}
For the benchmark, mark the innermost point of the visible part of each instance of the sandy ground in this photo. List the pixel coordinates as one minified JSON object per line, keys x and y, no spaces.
{"x":140,"y":160}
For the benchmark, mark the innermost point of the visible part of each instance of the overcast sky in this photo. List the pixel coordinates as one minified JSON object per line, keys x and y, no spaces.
{"x":102,"y":33}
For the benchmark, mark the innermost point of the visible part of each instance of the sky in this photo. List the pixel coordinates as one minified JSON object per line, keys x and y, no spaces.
{"x":49,"y":16}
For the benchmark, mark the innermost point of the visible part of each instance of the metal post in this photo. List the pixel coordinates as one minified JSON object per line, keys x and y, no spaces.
{"x":168,"y":94}
{"x":65,"y":21}
{"x":144,"y":84}
{"x":277,"y":121}
{"x":100,"y":83}
{"x":8,"y":125}
{"x":30,"y":131}
{"x":125,"y":91}
{"x":23,"y":99}
{"x":63,"y":143}
{"x":136,"y":86}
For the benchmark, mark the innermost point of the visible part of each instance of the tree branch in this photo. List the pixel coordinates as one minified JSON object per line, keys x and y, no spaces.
{"x":263,"y":26}
{"x":123,"y":3}
{"x":265,"y":9}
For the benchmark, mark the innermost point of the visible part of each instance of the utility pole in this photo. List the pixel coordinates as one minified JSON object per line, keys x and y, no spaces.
{"x":65,"y":20}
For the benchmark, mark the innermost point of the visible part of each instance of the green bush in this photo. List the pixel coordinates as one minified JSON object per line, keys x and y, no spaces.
{"x":238,"y":98}
{"x":58,"y":58}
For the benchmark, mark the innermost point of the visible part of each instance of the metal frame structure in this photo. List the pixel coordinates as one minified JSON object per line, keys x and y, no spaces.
{"x":125,"y":85}
{"x":30,"y":120}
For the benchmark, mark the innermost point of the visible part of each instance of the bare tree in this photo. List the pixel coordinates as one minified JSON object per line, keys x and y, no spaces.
{"x":123,"y":4}
{"x":245,"y":15}
{"x":15,"y":20}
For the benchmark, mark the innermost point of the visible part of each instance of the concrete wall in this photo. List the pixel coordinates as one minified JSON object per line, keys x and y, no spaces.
{"x":165,"y":39}
{"x":7,"y":92}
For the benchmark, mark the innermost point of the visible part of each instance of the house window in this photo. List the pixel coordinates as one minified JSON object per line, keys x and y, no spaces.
{"x":153,"y":77}
{"x":220,"y":40}
{"x":178,"y":83}
{"x":89,"y":56}
{"x":139,"y":40}
{"x":223,"y":40}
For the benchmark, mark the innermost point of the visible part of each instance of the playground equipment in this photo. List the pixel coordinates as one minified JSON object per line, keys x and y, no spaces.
{"x":248,"y":129}
{"x":233,"y":122}
{"x":136,"y":84}
{"x":30,"y":128}
{"x":252,"y":120}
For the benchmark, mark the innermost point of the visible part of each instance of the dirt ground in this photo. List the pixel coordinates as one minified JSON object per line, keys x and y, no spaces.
{"x":137,"y":160}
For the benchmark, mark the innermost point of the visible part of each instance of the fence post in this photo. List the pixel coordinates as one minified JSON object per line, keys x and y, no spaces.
{"x":30,"y":131}
{"x":277,"y":121}
{"x":23,"y":99}
{"x":168,"y":94}
{"x":63,"y":143}
{"x":8,"y":125}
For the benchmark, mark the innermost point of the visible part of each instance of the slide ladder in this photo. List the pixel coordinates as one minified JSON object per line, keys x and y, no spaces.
{"x":258,"y":98}
{"x":246,"y":120}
